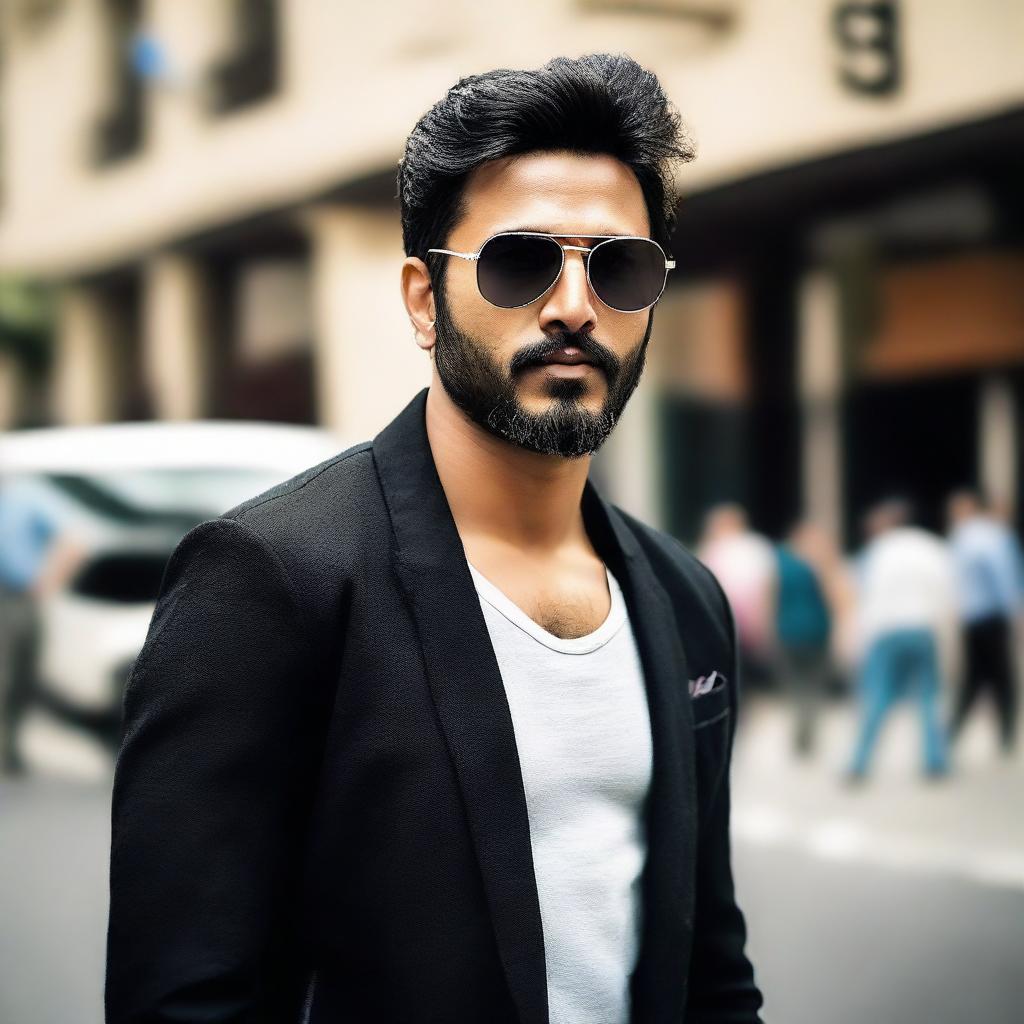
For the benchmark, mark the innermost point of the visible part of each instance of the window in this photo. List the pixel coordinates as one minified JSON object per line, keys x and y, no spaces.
{"x":118,"y":131}
{"x":251,"y":71}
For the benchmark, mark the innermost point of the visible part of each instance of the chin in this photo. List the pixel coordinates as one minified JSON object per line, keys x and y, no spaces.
{"x":566,"y":388}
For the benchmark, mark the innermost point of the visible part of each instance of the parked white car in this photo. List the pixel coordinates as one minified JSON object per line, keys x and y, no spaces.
{"x":127,"y":493}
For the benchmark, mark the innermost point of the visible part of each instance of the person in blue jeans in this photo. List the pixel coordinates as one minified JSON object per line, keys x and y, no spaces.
{"x":899,"y":664}
{"x":907,"y":601}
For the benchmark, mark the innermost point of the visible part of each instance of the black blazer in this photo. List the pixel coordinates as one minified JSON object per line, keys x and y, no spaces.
{"x":318,"y":812}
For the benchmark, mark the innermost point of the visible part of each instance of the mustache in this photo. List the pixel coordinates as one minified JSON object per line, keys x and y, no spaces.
{"x":534,"y":355}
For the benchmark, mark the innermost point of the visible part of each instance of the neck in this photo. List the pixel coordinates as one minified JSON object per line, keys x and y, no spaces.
{"x":499,"y":491}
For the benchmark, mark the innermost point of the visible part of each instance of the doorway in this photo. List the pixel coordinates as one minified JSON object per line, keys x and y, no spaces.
{"x":916,"y":438}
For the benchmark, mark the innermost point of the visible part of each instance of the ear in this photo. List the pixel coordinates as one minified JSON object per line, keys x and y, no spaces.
{"x":418,"y":296}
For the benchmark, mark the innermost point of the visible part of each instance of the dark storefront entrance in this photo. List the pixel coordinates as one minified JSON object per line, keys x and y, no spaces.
{"x":917,"y":439}
{"x":913,"y":428}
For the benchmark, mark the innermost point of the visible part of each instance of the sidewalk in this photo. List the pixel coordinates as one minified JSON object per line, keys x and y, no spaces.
{"x":969,"y":825}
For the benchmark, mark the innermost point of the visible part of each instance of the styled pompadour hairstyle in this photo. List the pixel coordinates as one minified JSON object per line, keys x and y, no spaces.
{"x":601,"y":103}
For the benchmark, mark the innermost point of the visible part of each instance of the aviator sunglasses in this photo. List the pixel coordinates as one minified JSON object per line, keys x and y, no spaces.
{"x":514,"y":268}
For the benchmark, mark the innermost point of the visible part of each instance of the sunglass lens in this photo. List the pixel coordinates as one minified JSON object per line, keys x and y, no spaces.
{"x":628,"y":274}
{"x":513,"y":270}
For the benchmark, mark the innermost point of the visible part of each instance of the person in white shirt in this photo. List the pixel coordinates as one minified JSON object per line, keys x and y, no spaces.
{"x":906,"y":626}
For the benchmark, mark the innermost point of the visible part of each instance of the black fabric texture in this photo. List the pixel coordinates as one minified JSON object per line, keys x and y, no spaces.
{"x":318,"y":810}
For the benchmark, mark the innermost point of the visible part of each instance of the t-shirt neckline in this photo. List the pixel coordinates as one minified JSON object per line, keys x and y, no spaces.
{"x":502,"y":603}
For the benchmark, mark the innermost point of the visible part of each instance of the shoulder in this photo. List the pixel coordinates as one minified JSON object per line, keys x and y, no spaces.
{"x":934,"y":545}
{"x":306,"y":487}
{"x":332,"y":496}
{"x":319,"y":523}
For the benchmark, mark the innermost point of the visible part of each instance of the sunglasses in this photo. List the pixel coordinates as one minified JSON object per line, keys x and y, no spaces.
{"x":514,"y":268}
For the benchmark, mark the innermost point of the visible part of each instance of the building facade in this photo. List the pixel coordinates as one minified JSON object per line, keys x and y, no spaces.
{"x":209,"y":187}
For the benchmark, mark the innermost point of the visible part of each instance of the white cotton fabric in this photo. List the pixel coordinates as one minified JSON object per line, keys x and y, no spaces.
{"x":579,"y":708}
{"x":907,"y":580}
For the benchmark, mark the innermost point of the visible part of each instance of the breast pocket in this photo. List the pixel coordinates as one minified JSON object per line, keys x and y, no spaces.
{"x":712,"y":706}
{"x":711,"y":714}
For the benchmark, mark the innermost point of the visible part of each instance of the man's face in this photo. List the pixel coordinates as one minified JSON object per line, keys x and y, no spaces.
{"x":489,"y":359}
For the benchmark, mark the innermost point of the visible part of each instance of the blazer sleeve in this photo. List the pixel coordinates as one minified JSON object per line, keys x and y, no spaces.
{"x":210,"y":792}
{"x":722,"y":989}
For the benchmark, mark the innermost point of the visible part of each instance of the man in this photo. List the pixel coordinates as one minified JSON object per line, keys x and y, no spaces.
{"x":906,"y":617}
{"x":411,"y":737}
{"x":988,"y":563}
{"x":37,"y":557}
{"x":803,"y":627}
{"x":744,"y":562}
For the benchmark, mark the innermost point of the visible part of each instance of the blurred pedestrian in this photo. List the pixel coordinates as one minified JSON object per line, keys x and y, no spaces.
{"x":35,"y":559}
{"x":906,"y":623}
{"x":990,"y":568}
{"x":803,"y":627}
{"x":745,"y":564}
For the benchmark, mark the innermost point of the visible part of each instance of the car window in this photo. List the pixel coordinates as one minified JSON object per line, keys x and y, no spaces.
{"x":215,"y":490}
{"x":125,"y":577}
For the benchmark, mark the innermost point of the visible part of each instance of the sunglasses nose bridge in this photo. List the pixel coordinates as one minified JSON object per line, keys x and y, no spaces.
{"x":574,"y":262}
{"x":570,"y":299}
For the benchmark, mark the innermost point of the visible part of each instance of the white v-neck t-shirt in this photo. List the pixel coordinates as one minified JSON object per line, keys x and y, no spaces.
{"x":579,"y":709}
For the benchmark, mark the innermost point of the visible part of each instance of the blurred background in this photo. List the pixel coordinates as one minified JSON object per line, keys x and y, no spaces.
{"x":199,"y":260}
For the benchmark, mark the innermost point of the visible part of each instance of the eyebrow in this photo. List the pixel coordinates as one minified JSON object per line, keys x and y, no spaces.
{"x":561,"y":234}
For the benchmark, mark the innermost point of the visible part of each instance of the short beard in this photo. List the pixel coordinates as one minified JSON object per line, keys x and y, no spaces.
{"x":487,"y":394}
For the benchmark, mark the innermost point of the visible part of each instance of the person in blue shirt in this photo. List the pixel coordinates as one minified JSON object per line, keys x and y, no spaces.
{"x":36,"y":556}
{"x":803,"y":627}
{"x":990,"y":576}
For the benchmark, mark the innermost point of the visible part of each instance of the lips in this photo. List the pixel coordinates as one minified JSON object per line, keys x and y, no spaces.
{"x":567,"y":357}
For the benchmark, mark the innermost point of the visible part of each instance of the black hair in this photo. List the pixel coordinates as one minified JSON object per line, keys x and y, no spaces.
{"x":899,"y":508}
{"x":979,"y":495}
{"x":600,"y":103}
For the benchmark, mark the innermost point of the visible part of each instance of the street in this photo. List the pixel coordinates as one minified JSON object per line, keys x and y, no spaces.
{"x":897,"y":902}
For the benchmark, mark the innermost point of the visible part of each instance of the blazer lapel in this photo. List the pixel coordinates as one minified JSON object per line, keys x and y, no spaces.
{"x":469,"y":695}
{"x":468,"y":692}
{"x":658,"y":984}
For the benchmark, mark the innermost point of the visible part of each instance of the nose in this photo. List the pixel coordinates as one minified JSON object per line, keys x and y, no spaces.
{"x":569,"y":306}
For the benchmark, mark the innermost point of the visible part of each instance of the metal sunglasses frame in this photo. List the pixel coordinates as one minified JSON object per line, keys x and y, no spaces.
{"x":669,"y":264}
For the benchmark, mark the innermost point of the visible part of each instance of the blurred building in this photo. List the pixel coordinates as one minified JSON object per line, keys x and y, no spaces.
{"x":210,"y":186}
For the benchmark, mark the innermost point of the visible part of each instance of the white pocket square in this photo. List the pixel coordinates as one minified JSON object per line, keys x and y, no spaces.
{"x":705,"y":684}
